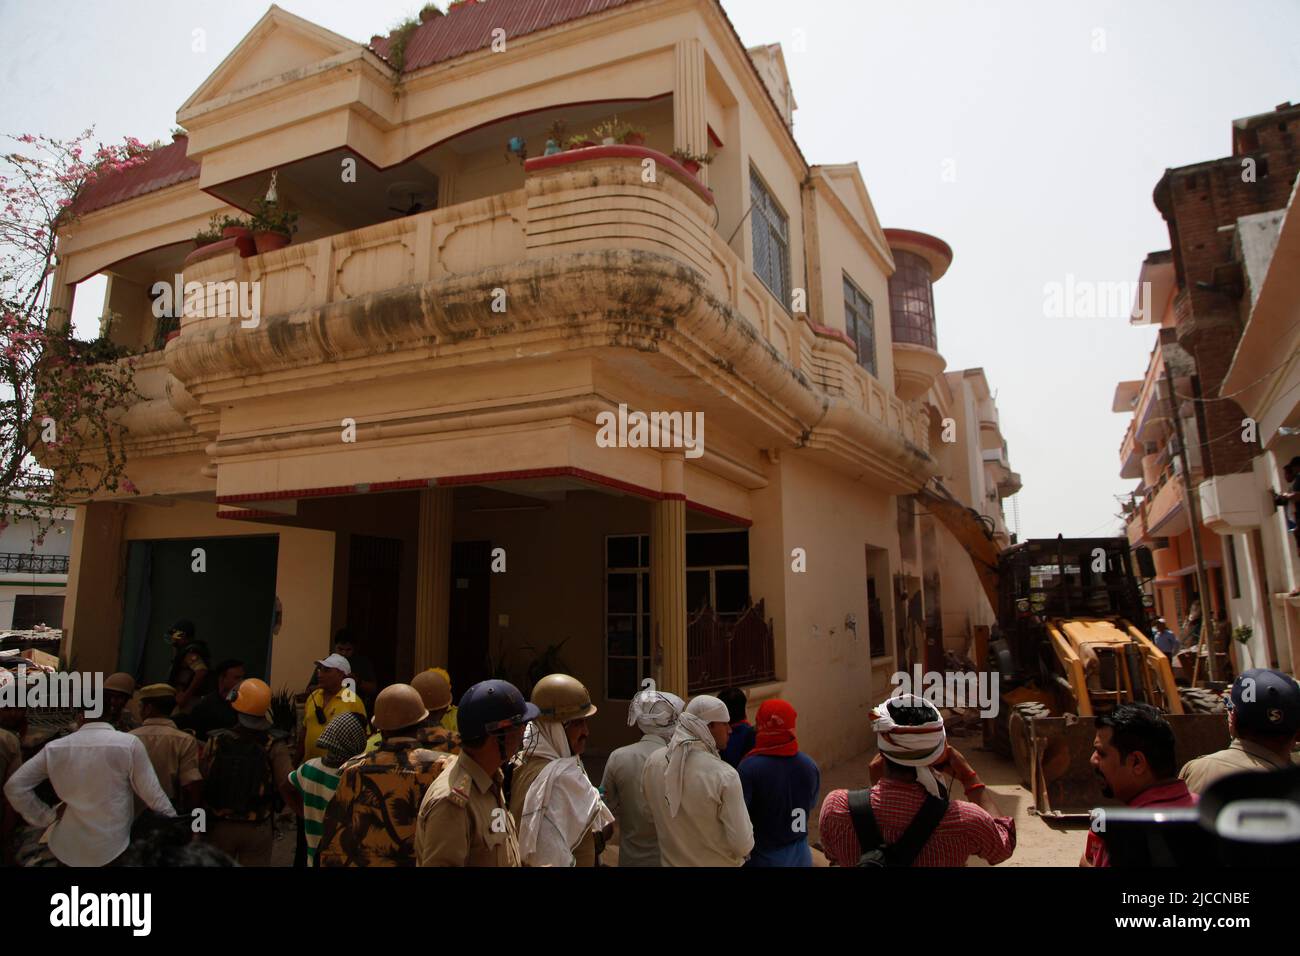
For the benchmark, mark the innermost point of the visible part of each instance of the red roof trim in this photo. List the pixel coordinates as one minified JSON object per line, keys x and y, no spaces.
{"x":471,"y":27}
{"x":573,"y":156}
{"x":166,"y":166}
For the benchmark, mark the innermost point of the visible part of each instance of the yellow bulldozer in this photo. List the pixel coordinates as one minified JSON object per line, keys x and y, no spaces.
{"x":1071,"y":643}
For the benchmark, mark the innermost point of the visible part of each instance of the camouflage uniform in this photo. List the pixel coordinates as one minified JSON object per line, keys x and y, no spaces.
{"x":371,"y":818}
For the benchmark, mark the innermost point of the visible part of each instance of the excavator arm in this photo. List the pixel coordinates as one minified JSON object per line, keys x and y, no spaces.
{"x":971,"y":530}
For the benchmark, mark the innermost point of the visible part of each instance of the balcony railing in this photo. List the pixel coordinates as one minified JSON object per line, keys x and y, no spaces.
{"x":17,"y":562}
{"x":721,"y":654}
{"x":588,"y":200}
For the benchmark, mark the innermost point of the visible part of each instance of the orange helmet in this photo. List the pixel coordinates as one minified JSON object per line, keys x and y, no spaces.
{"x":252,"y":697}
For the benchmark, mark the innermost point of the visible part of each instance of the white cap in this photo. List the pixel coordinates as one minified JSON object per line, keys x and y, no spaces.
{"x":338,"y":662}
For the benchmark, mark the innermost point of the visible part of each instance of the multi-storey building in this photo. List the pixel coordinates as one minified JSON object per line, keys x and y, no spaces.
{"x":1224,"y":219}
{"x":34,"y":569}
{"x":409,"y":437}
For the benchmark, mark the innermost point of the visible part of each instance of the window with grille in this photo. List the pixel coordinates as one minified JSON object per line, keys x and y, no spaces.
{"x":627,"y":614}
{"x":771,"y":230}
{"x":911,"y":300}
{"x":860,"y":324}
{"x":717,"y":576}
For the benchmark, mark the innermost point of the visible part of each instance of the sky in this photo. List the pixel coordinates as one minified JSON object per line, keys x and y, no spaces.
{"x":1029,"y":135}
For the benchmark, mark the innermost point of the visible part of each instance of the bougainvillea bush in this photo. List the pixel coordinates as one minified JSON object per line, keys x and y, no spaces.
{"x":59,"y":396}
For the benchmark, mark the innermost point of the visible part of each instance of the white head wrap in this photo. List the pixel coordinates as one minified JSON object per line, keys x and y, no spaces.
{"x":655,"y":712}
{"x":561,"y":805}
{"x":911,"y":746}
{"x":692,"y":733}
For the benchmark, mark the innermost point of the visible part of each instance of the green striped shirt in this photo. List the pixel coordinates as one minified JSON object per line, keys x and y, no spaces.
{"x":316,"y":783}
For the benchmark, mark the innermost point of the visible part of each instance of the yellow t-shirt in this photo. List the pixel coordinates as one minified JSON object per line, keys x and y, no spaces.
{"x":317,"y":708}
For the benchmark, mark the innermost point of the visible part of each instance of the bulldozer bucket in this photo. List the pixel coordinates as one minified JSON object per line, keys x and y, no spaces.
{"x":1061,"y":778}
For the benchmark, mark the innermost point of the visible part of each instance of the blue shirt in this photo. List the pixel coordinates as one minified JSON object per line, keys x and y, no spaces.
{"x":780,"y":793}
{"x":739,"y":743}
{"x":1167,"y":642}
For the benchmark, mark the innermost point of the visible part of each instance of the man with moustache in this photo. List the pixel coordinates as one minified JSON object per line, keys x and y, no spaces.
{"x":1133,"y":754}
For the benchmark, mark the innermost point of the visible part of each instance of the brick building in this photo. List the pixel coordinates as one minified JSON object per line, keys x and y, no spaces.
{"x":1224,"y":217}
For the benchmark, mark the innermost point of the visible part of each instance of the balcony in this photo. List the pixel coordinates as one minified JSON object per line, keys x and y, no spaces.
{"x":723,"y":654}
{"x":998,"y":469}
{"x":13,"y":562}
{"x":590,"y":263}
{"x":920,"y":260}
{"x":1232,"y":504}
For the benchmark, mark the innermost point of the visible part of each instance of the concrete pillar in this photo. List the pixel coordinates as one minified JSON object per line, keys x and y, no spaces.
{"x":433,"y":582}
{"x":92,"y":613}
{"x":668,"y":579}
{"x":61,"y":298}
{"x":690,"y":104}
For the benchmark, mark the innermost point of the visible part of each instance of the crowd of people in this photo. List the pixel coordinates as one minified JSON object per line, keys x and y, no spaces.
{"x":402,"y":776}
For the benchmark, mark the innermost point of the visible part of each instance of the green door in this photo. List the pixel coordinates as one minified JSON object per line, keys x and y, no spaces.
{"x":231,"y":602}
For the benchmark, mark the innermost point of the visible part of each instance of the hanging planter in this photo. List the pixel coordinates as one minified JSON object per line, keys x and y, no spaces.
{"x":272,"y":226}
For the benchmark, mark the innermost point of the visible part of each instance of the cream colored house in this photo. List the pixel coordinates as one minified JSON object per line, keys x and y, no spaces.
{"x":405,"y":438}
{"x":976,"y":469}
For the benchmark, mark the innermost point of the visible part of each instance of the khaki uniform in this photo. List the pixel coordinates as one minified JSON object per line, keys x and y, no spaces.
{"x":584,"y":854}
{"x":173,"y":753}
{"x":1241,"y":755}
{"x":464,"y":820}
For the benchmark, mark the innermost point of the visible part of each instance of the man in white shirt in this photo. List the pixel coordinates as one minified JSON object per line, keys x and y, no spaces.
{"x":695,"y":796}
{"x":94,"y":771}
{"x":655,"y":714}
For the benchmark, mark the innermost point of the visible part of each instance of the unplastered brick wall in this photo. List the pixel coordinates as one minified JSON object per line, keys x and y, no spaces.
{"x":1197,"y":202}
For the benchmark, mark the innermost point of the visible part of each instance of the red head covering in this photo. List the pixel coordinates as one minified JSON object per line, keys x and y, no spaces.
{"x":775,"y":723}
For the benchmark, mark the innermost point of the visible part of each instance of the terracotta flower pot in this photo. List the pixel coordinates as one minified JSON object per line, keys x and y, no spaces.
{"x":243,"y":239}
{"x":691,"y":166}
{"x":635,"y":139}
{"x":269,"y":241}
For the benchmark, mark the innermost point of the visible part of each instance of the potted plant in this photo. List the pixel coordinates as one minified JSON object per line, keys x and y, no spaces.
{"x":273,"y":226}
{"x":237,"y":228}
{"x":555,"y":137}
{"x":169,"y":326}
{"x":633,"y":135}
{"x":580,"y":142}
{"x":206,"y":237}
{"x":692,"y":161}
{"x":608,"y":132}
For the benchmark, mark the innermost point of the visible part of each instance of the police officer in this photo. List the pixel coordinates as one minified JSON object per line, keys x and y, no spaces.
{"x":560,"y":731}
{"x":463,"y":818}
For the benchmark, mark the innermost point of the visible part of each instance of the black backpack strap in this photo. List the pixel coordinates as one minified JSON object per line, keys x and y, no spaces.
{"x":918,"y":832}
{"x":864,"y":821}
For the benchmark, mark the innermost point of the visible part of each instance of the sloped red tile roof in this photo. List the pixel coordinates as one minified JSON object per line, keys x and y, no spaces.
{"x":469,"y":27}
{"x":166,"y":166}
